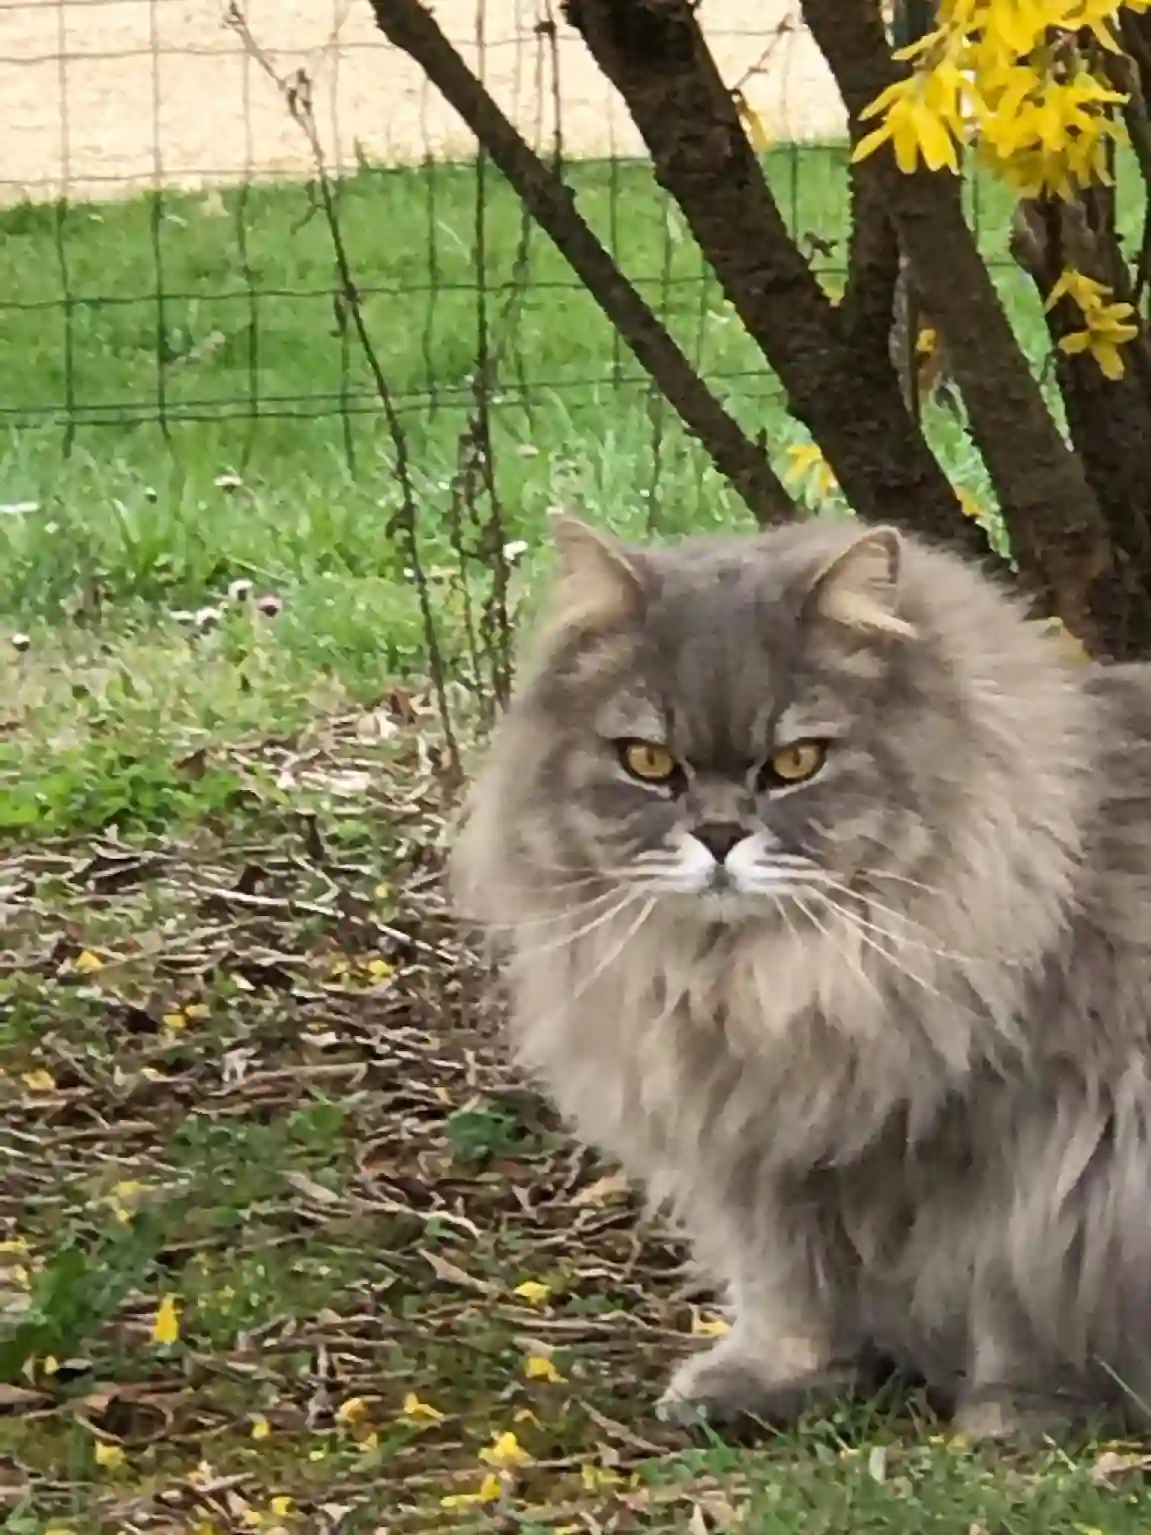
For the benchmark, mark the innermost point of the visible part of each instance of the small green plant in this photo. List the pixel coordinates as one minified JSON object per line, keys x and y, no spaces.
{"x":106,"y":784}
{"x":487,"y":1130}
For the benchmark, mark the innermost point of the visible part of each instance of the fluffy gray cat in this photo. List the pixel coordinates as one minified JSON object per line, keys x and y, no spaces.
{"x":824,"y":883}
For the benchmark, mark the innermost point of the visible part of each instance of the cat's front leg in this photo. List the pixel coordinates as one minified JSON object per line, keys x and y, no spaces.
{"x":783,"y":1357}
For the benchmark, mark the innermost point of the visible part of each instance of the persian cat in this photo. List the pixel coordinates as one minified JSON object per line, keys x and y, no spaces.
{"x":823,"y":881}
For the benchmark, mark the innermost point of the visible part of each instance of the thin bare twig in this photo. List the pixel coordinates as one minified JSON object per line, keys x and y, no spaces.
{"x":297,"y":93}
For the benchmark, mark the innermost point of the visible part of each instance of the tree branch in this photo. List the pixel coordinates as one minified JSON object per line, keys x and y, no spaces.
{"x":1109,"y":420}
{"x":654,"y":53}
{"x":872,"y":267}
{"x":411,"y":27}
{"x":1058,"y":534}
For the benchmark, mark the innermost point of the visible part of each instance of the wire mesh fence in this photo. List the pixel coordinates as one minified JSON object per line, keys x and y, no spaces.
{"x":162,"y":260}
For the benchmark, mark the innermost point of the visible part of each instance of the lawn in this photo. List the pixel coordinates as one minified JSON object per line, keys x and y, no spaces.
{"x":283,"y":1241}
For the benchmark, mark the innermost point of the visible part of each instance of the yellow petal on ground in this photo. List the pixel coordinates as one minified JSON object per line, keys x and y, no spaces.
{"x":87,"y":963}
{"x":174,"y":1022}
{"x":39,"y":1080}
{"x":166,"y":1327}
{"x":261,"y":1428}
{"x":282,"y":1506}
{"x":420,"y":1412}
{"x":110,"y":1456}
{"x":488,"y":1491}
{"x":594,"y":1478}
{"x":368,"y":1443}
{"x":505,"y":1450}
{"x":380,"y":969}
{"x":355,"y":1409}
{"x":710,"y":1327}
{"x":540,"y":1367}
{"x":197,"y":1010}
{"x":533,"y":1292}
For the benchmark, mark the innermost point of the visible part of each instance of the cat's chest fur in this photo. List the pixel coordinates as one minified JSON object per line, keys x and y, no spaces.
{"x":686,"y":1051}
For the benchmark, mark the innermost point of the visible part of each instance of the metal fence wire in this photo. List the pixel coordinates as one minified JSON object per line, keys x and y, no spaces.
{"x":160,"y":256}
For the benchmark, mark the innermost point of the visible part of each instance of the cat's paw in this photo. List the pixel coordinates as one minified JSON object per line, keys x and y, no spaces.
{"x":722,"y":1387}
{"x":1025,"y":1420}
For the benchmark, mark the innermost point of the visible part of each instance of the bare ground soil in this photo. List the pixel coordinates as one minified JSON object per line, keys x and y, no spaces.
{"x":100,"y":98}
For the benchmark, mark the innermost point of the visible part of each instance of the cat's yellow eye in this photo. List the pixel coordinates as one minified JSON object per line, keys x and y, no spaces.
{"x":648,"y":761}
{"x":797,"y":761}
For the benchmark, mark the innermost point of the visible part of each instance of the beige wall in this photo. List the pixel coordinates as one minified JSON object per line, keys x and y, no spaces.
{"x":105,"y":98}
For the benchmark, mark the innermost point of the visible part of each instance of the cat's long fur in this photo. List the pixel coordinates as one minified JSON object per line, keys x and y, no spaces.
{"x":909,"y":1116}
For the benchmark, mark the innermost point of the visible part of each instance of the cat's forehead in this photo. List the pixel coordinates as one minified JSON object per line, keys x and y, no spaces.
{"x":717,"y":658}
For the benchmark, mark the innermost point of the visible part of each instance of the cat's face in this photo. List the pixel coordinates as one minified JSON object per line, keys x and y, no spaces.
{"x":731,"y":728}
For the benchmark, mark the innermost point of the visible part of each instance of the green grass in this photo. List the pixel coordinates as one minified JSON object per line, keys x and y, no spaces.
{"x":245,"y":1061}
{"x":133,"y":515}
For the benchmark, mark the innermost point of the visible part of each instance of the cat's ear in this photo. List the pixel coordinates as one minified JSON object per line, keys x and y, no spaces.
{"x":860,"y":586}
{"x":597,"y":576}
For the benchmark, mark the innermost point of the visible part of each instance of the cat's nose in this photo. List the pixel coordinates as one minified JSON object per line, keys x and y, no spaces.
{"x":719,"y":837}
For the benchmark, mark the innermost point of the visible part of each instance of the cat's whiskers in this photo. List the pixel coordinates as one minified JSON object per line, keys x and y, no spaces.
{"x":825,"y":880}
{"x":853,"y":957}
{"x":866,"y":935}
{"x":614,"y":953}
{"x":568,"y":938}
{"x":902,"y":879}
{"x":581,"y":908}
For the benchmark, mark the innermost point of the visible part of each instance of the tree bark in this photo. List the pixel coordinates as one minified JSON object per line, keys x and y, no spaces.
{"x":654,"y":53}
{"x":1057,"y":531}
{"x":411,"y":27}
{"x":1109,"y":420}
